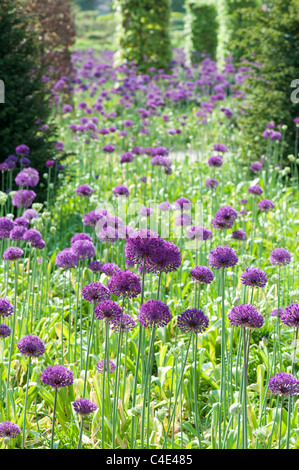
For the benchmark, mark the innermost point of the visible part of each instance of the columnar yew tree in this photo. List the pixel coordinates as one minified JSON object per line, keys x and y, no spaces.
{"x":201,"y":28}
{"x":144,"y":32}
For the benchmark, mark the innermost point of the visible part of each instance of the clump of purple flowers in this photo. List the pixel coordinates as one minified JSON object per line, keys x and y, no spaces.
{"x":280,"y":257}
{"x":95,"y":292}
{"x":284,"y":384}
{"x":13,"y":253}
{"x":107,"y":310}
{"x":31,"y":346}
{"x":202,"y":274}
{"x":246,"y":316}
{"x":6,"y":308}
{"x":254,"y":277}
{"x":84,"y":407}
{"x":101,"y":365}
{"x":57,"y":376}
{"x":154,"y":313}
{"x":125,"y":284}
{"x":290,"y":315}
{"x":223,"y":257}
{"x":265,"y":205}
{"x":193,"y":321}
{"x":9,"y":430}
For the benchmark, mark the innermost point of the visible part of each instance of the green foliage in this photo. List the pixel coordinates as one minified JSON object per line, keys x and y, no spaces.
{"x":178,"y":5}
{"x":26,"y":99}
{"x":273,"y":39}
{"x":144,"y":33}
{"x":201,"y":29}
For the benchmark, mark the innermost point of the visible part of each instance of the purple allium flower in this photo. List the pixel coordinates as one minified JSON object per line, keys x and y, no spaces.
{"x":5,"y":331}
{"x":125,"y":231}
{"x":13,"y":253}
{"x":121,"y":190}
{"x":227,"y":214}
{"x":109,"y":148}
{"x":17,"y":232}
{"x":284,"y":384}
{"x":95,"y":292}
{"x":32,"y":236}
{"x":146,"y":211}
{"x":23,"y":198}
{"x":27,"y":177}
{"x":239,"y":235}
{"x":40,"y":244}
{"x":125,"y":284}
{"x":244,"y":201}
{"x":246,"y":316}
{"x":83,"y":249}
{"x":193,"y":320}
{"x":256,"y":190}
{"x":254,"y":277}
{"x":202,"y":274}
{"x":66,"y":259}
{"x":6,"y":308}
{"x":182,"y":203}
{"x":223,"y":257}
{"x":215,"y":162}
{"x":95,"y":266}
{"x":144,"y":245}
{"x":127,"y":157}
{"x":275,"y":135}
{"x":94,"y":217}
{"x":198,"y":232}
{"x":168,"y":261}
{"x":154,"y":313}
{"x":6,"y":225}
{"x":265,"y":205}
{"x":84,"y":407}
{"x":50,"y":163}
{"x":22,"y":221}
{"x":31,"y":346}
{"x":30,"y":214}
{"x":100,"y":366}
{"x":212,"y":183}
{"x":127,"y":323}
{"x":290,"y":315}
{"x":110,"y":269}
{"x":220,"y":148}
{"x":107,"y":234}
{"x":183,"y":220}
{"x":275,"y":310}
{"x":107,"y":310}
{"x":57,"y":376}
{"x":80,"y":236}
{"x":280,"y":257}
{"x":165,"y":206}
{"x":9,"y":430}
{"x":84,"y":190}
{"x":22,"y":150}
{"x":256,"y":167}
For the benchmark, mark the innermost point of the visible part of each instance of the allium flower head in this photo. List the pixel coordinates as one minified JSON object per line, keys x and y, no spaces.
{"x":144,"y":245}
{"x":199,"y":233}
{"x":9,"y":430}
{"x":215,"y":161}
{"x":22,"y":150}
{"x":95,"y":266}
{"x":168,"y":261}
{"x":239,"y":235}
{"x":223,"y":257}
{"x":83,"y":249}
{"x":256,"y":167}
{"x":256,"y":190}
{"x":84,"y":407}
{"x":107,"y":234}
{"x":126,"y":323}
{"x":84,"y":190}
{"x":202,"y":275}
{"x":32,"y":235}
{"x":13,"y":253}
{"x":66,"y":259}
{"x":6,"y":308}
{"x":107,"y":310}
{"x":246,"y":316}
{"x":182,"y":203}
{"x":265,"y":205}
{"x":225,"y":217}
{"x":17,"y":232}
{"x":23,"y":198}
{"x":284,"y":384}
{"x":212,"y":183}
{"x":254,"y":277}
{"x":121,"y":190}
{"x":220,"y":148}
{"x":154,"y":313}
{"x":110,"y":269}
{"x":103,"y":364}
{"x":6,"y":225}
{"x":280,"y":257}
{"x":127,"y":157}
{"x":30,"y":214}
{"x":95,"y":292}
{"x":57,"y":376}
{"x":92,"y":218}
{"x":31,"y":346}
{"x":125,"y":284}
{"x":27,"y":177}
{"x":165,"y":206}
{"x":290,"y":315}
{"x":183,"y":220}
{"x":193,"y":320}
{"x":5,"y":331}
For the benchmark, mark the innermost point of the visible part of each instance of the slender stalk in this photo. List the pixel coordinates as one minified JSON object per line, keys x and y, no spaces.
{"x":81,"y":433}
{"x":25,"y":404}
{"x":53,"y":418}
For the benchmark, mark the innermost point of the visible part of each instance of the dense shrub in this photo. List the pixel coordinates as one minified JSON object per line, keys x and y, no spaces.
{"x":201,"y":29}
{"x":144,"y":32}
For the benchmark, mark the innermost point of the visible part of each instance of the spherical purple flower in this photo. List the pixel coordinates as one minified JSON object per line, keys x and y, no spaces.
{"x":9,"y":430}
{"x":95,"y":217}
{"x":227,"y":214}
{"x":154,"y":313}
{"x":84,"y":407}
{"x":202,"y":274}
{"x":256,"y":190}
{"x":5,"y":331}
{"x":198,"y":232}
{"x":23,"y":198}
{"x":30,"y":214}
{"x":40,"y":244}
{"x":275,"y":310}
{"x":126,"y":157}
{"x":6,"y":225}
{"x":165,"y":206}
{"x":17,"y":232}
{"x":107,"y":234}
{"x":256,"y":167}
{"x":168,"y":261}
{"x":31,"y":346}
{"x":146,"y":211}
{"x":126,"y":323}
{"x":182,"y":203}
{"x":254,"y":277}
{"x":183,"y":220}
{"x":83,"y":249}
{"x":193,"y":320}
{"x":13,"y":253}
{"x":57,"y":376}
{"x":125,"y":231}
{"x":32,"y":236}
{"x":27,"y":177}
{"x":109,"y":148}
{"x":275,"y":135}
{"x":22,"y":221}
{"x":6,"y":308}
{"x":212,"y":183}
{"x":220,"y":148}
{"x":280,"y":257}
{"x":101,"y":366}
{"x":265,"y":205}
{"x":121,"y":190}
{"x":244,"y":201}
{"x":110,"y":269}
{"x":125,"y":284}
{"x":107,"y":310}
{"x":95,"y":292}
{"x":66,"y":259}
{"x":84,"y":190}
{"x":223,"y":257}
{"x":239,"y":235}
{"x":80,"y":236}
{"x":144,"y":245}
{"x":290,"y":315}
{"x":22,"y":150}
{"x":215,"y":162}
{"x":284,"y":384}
{"x":246,"y":316}
{"x":95,"y":266}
